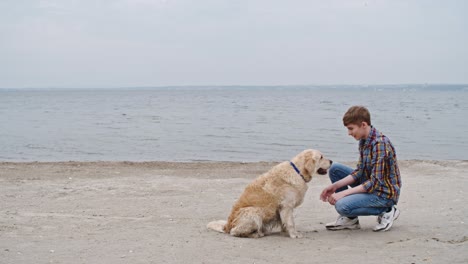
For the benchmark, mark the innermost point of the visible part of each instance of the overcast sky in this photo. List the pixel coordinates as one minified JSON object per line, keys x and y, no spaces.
{"x":121,"y":43}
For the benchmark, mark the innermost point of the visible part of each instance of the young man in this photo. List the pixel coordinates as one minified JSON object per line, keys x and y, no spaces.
{"x":374,"y":186}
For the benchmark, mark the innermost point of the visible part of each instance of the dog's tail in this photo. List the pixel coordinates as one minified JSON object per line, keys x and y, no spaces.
{"x":217,"y":225}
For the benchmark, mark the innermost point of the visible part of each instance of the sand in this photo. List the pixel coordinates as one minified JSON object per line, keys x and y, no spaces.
{"x":156,"y":212}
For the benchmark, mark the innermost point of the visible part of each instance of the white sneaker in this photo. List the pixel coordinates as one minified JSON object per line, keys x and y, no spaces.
{"x":344,"y":222}
{"x":385,"y":220}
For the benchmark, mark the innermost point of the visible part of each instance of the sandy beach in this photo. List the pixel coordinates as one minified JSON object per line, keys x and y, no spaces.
{"x":156,"y":212}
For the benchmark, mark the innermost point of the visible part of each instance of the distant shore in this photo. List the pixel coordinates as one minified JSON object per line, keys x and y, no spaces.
{"x":156,"y":212}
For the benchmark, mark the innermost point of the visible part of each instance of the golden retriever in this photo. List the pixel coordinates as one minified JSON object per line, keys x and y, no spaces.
{"x":269,"y":200}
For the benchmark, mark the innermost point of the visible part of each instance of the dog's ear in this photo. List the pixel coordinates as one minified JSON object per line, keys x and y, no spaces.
{"x":309,"y":163}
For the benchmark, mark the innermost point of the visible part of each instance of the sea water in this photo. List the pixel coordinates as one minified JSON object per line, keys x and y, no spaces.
{"x":227,"y":123}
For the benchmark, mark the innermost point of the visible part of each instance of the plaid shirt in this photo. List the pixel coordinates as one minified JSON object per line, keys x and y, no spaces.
{"x":377,"y":169}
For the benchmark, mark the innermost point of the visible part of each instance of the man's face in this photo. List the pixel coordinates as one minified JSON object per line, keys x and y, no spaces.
{"x":358,"y":131}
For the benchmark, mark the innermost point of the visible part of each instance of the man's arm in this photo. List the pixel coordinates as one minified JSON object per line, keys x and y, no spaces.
{"x":378,"y":168}
{"x":377,"y":176}
{"x":344,"y":182}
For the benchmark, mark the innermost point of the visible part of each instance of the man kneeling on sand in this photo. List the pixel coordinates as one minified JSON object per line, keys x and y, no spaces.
{"x":375,"y":183}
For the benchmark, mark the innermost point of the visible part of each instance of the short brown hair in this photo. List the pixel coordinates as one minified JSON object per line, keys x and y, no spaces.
{"x":355,"y":115}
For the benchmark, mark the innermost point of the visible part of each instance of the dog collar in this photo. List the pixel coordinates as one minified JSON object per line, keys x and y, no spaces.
{"x":297,"y":170}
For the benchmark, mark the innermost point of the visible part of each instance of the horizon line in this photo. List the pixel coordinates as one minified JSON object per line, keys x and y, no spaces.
{"x":389,"y":85}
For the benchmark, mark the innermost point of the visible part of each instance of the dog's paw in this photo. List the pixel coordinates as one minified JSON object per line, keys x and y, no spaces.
{"x":257,"y":235}
{"x":295,"y":235}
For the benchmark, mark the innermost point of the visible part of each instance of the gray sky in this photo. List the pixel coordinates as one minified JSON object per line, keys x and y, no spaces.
{"x":120,"y":43}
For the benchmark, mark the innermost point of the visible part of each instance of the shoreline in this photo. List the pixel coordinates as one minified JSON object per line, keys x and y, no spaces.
{"x":173,"y":166}
{"x":156,"y":212}
{"x":207,"y":161}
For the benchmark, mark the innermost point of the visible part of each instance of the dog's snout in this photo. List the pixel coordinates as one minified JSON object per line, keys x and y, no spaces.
{"x":331,"y":162}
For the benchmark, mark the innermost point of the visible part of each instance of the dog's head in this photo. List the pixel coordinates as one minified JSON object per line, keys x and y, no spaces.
{"x":313,"y":162}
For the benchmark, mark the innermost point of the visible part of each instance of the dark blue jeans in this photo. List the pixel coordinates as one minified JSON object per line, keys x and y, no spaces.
{"x":359,"y":203}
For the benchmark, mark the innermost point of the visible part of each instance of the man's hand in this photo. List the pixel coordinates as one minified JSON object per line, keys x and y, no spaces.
{"x":327,"y":192}
{"x":332,"y":199}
